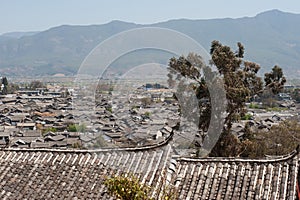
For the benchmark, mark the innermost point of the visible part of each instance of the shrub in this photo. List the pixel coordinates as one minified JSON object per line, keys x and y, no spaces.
{"x":127,"y":188}
{"x":247,"y":117}
{"x":130,"y":188}
{"x":109,"y":109}
{"x":77,"y":128}
{"x":253,"y":106}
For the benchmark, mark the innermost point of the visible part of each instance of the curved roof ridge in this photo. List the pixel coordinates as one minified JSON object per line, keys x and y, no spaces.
{"x":142,"y":148}
{"x":232,"y":159}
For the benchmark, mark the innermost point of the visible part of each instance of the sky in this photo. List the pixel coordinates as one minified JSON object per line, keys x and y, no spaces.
{"x":39,"y":15}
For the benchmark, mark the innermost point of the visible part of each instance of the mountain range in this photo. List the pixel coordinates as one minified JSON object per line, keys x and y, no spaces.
{"x":270,"y":38}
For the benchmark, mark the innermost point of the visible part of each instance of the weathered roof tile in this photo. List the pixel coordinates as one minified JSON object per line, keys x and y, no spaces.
{"x":59,"y":174}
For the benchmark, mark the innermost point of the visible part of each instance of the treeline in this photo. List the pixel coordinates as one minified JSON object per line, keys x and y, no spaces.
{"x":7,"y":87}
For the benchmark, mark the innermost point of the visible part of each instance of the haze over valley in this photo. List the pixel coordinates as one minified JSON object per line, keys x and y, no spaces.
{"x":270,"y":38}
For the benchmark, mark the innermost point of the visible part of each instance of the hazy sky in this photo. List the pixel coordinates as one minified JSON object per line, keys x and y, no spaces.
{"x":37,"y":15}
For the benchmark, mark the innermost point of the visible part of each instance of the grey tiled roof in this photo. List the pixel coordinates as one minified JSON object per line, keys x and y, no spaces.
{"x":71,"y":174}
{"x":224,"y":178}
{"x":63,"y":174}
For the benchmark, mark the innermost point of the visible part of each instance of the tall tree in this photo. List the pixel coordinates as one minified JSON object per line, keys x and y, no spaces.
{"x":4,"y":81}
{"x":188,"y":75}
{"x":240,"y":82}
{"x":275,"y":80}
{"x":240,"y":78}
{"x":4,"y":84}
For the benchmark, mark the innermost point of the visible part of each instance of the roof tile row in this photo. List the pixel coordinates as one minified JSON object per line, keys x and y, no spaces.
{"x":60,"y":174}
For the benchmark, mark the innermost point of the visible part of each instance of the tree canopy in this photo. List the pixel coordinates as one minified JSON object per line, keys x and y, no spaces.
{"x":275,"y":80}
{"x":240,"y":78}
{"x":240,"y":82}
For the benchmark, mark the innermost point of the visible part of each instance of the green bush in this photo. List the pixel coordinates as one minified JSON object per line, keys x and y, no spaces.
{"x":127,"y":188}
{"x":247,"y":117}
{"x":253,"y":106}
{"x":77,"y":128}
{"x":109,"y":109}
{"x":50,"y":129}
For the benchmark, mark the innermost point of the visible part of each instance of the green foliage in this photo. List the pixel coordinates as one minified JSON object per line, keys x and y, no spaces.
{"x":4,"y":81}
{"x":240,"y":82}
{"x":279,"y":140}
{"x":147,"y":114}
{"x":240,"y":78}
{"x":109,"y":109}
{"x":275,"y":80}
{"x":130,"y":188}
{"x":254,"y":106}
{"x":127,"y":188}
{"x":246,"y":117}
{"x":3,"y":85}
{"x":189,"y":68}
{"x":50,"y":129}
{"x":134,"y":107}
{"x":169,"y":193}
{"x":72,"y":128}
{"x":77,"y":128}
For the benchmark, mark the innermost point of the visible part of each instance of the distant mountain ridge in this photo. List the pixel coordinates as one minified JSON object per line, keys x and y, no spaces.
{"x":270,"y":38}
{"x":18,"y":35}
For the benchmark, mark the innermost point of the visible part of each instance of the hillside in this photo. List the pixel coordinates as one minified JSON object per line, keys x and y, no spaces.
{"x":270,"y":38}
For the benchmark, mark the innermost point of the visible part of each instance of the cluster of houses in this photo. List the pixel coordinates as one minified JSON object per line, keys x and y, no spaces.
{"x":263,"y":120}
{"x":143,"y":118}
{"x":63,"y":118}
{"x":36,"y":120}
{"x":40,"y":119}
{"x":143,"y":124}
